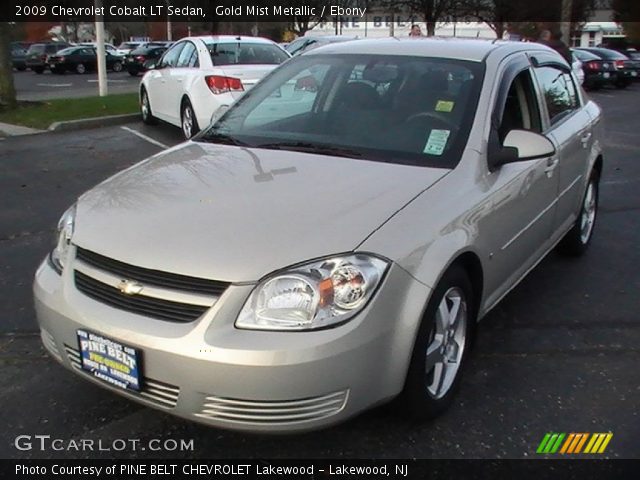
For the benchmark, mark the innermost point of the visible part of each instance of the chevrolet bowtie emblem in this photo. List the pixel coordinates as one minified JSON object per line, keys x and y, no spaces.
{"x":130,"y":287}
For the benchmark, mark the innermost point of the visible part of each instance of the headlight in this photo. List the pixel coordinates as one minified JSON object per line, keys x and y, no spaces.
{"x":63,"y":239}
{"x":312,"y":296}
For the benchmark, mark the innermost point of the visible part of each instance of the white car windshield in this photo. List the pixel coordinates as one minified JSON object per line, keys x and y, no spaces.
{"x":245,"y":53}
{"x":402,"y":109}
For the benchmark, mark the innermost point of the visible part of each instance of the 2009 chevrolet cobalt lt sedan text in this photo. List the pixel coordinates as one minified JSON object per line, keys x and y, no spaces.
{"x":330,"y":242}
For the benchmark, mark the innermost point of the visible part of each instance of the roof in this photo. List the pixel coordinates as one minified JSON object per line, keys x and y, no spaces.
{"x":439,"y":47}
{"x":230,"y":39}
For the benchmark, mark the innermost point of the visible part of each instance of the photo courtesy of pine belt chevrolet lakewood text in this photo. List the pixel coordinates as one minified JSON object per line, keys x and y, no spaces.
{"x":330,"y":242}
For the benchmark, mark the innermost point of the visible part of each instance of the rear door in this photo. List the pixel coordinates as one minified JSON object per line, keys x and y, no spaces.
{"x":161,"y":95}
{"x":568,"y":123}
{"x":179,"y":77}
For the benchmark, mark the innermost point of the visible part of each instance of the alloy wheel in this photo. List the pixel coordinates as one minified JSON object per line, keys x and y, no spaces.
{"x":588,"y":217}
{"x":445,"y":350}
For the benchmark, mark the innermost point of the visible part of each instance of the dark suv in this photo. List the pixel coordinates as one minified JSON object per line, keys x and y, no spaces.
{"x":37,"y":54}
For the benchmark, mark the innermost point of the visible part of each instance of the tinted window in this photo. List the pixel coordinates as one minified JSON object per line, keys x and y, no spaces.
{"x":414,"y":110}
{"x":37,"y":48}
{"x":246,"y":53}
{"x":584,"y":56}
{"x":559,"y":92}
{"x":170,"y":58}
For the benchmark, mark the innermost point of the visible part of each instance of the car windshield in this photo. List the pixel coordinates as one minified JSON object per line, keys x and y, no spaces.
{"x":68,"y":51}
{"x":402,"y":109}
{"x":585,"y":56}
{"x":245,"y":53}
{"x":611,"y":54}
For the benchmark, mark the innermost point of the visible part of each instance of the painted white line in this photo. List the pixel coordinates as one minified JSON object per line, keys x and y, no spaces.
{"x":54,"y":84}
{"x":108,"y":81}
{"x":144,"y":137}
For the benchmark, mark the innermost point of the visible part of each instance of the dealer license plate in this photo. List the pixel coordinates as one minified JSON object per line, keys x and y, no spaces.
{"x":110,"y":361}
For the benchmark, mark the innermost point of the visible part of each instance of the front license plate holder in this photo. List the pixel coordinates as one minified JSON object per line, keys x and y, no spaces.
{"x":109,"y":360}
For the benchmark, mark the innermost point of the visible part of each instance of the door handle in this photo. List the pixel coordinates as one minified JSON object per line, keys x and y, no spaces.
{"x":585,"y":138}
{"x":551,"y":166}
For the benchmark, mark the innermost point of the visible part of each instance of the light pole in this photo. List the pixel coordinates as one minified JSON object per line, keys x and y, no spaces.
{"x":169,"y":36}
{"x":102,"y":61}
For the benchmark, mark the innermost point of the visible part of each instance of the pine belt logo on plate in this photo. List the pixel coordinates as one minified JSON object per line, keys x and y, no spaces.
{"x":563,"y":443}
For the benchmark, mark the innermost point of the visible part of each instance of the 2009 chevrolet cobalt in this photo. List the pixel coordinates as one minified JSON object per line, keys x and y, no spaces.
{"x":330,"y":242}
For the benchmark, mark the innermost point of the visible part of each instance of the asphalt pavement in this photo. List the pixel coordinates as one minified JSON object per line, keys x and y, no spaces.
{"x":560,"y":353}
{"x":31,"y":86}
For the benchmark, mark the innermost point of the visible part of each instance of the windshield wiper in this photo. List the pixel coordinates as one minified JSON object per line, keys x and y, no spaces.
{"x":308,"y":147}
{"x":220,"y":138}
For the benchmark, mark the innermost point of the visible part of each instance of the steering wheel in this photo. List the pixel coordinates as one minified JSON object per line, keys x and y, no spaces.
{"x":436,"y":116}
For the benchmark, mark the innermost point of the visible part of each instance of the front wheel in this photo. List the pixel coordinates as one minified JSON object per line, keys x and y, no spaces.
{"x":81,"y":68}
{"x":117,"y":67}
{"x":441,"y":347}
{"x":577,"y":240}
{"x":189,"y":121}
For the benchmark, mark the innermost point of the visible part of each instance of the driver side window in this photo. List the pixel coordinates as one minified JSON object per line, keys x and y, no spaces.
{"x":521,"y":110}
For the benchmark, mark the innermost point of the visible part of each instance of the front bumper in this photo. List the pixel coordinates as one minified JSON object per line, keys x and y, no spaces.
{"x":209,"y":371}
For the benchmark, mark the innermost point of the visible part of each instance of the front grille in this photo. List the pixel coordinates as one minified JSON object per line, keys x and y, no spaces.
{"x":147,"y":276}
{"x":266,"y":412}
{"x":155,"y":391}
{"x":142,"y":305}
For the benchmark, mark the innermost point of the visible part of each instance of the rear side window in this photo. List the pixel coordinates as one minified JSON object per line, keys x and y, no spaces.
{"x":38,"y":48}
{"x":188,"y":56}
{"x":559,"y":92}
{"x":246,"y":54}
{"x":170,"y":58}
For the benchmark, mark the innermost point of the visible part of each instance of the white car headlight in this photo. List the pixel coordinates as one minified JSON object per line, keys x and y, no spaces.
{"x":63,"y":239}
{"x":315,"y":295}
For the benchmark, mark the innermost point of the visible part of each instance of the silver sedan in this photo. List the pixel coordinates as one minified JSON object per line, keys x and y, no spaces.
{"x":330,"y":242}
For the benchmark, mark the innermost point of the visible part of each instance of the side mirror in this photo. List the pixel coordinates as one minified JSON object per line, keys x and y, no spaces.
{"x":518,"y":145}
{"x":150,"y":65}
{"x":530,"y":145}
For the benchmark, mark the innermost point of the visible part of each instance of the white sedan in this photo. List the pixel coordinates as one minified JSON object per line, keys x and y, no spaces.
{"x":199,"y":75}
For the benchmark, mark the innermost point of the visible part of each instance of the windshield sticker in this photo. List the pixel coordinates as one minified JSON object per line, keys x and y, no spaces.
{"x":444,"y":106}
{"x":436,"y":142}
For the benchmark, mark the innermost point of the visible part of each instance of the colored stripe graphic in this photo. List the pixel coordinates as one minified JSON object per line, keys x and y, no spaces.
{"x":573,"y":443}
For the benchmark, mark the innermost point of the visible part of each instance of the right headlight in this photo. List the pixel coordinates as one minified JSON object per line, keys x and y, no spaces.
{"x":315,"y":295}
{"x":64,"y":233}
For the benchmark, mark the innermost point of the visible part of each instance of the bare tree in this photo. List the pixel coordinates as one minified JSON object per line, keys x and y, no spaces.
{"x":7,"y":89}
{"x":431,"y":11}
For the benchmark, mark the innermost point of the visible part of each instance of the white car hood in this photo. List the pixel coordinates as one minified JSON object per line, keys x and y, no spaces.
{"x":236,"y":214}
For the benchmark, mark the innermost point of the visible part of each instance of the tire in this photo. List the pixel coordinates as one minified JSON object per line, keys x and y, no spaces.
{"x":145,"y":108}
{"x":577,"y":240}
{"x":21,"y":69}
{"x":440,"y":340}
{"x":38,"y":70}
{"x":188,"y":120}
{"x":117,"y":67}
{"x":81,"y":68}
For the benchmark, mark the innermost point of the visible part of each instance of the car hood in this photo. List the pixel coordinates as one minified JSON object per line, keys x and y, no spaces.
{"x":236,"y":214}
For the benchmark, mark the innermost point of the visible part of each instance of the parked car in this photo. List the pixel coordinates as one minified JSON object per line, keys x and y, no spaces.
{"x":136,"y":61}
{"x":19,"y":56}
{"x":38,"y":52}
{"x":331,"y":241}
{"x":304,"y":44}
{"x":626,"y":68}
{"x":81,"y":60}
{"x":198,"y":75}
{"x":107,"y":46}
{"x":597,"y":72}
{"x":125,"y":47}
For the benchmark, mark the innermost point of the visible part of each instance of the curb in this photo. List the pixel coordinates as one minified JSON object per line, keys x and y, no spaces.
{"x":10,"y":130}
{"x":96,"y":122}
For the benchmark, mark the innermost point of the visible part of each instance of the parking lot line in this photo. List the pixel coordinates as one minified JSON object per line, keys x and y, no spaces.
{"x":145,"y":137}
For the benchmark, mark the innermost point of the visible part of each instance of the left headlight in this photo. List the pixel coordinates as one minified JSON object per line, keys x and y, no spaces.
{"x":64,"y":233}
{"x":315,"y":295}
